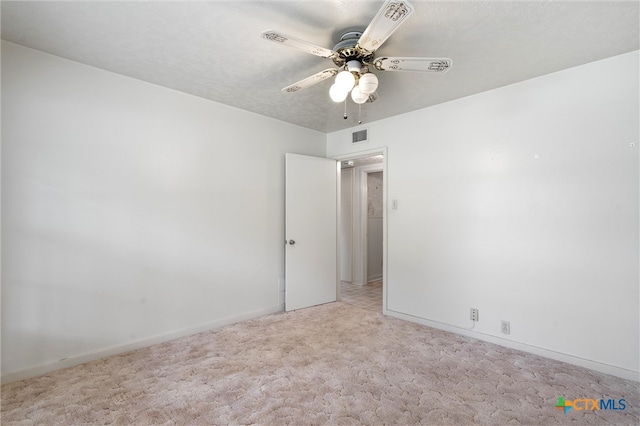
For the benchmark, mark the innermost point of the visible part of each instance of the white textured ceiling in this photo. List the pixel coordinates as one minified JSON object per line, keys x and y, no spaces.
{"x":214,"y":49}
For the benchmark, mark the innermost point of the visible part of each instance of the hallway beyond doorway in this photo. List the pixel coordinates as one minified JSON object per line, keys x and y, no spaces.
{"x":364,"y":296}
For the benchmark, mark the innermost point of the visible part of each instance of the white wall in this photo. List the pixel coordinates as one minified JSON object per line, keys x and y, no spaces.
{"x":131,"y":213}
{"x":521,"y":202}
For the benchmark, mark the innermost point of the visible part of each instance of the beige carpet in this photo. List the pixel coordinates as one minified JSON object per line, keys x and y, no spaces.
{"x":332,"y":364}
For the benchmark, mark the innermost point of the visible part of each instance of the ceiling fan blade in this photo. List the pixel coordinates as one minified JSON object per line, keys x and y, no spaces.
{"x":440,"y":65}
{"x":387,"y":20}
{"x":310,"y":81}
{"x":296,"y":43}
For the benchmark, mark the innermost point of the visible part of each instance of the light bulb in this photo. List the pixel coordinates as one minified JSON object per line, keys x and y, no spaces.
{"x":337,"y":93}
{"x":346,"y":80}
{"x":368,"y":83}
{"x":357,"y":96}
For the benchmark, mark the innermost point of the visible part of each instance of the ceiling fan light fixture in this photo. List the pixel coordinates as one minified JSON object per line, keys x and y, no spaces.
{"x":355,"y":55}
{"x":359,"y":97}
{"x":337,"y":93}
{"x":345,"y":80}
{"x":368,"y":83}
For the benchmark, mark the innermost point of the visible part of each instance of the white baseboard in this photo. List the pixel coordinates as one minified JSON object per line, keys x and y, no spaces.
{"x":138,"y":344}
{"x":373,"y":278}
{"x":114,"y":350}
{"x":547,"y":353}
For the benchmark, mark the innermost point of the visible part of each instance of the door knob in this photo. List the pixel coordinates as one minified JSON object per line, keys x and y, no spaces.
{"x":291,"y":242}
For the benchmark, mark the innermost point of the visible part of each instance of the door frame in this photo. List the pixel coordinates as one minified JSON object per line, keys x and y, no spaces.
{"x":363,"y":220}
{"x":385,"y":196}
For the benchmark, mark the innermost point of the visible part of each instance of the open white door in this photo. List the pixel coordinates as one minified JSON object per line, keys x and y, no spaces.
{"x":310,"y":231}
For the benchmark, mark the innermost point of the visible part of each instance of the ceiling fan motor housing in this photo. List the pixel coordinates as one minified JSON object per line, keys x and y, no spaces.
{"x":347,"y":50}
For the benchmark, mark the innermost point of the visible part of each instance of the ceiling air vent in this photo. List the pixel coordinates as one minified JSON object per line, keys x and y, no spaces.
{"x":359,"y":136}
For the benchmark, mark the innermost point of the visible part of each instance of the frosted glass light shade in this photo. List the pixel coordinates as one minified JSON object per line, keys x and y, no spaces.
{"x":337,"y":93}
{"x":357,"y":96}
{"x":368,"y":83}
{"x":346,"y":80}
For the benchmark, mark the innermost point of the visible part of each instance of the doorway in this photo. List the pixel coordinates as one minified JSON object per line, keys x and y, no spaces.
{"x":362,"y":230}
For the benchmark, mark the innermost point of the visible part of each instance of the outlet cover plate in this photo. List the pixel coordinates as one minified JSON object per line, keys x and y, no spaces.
{"x":473,"y":315}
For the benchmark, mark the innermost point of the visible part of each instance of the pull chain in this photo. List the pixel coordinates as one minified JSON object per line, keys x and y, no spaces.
{"x":359,"y":113}
{"x":345,"y":109}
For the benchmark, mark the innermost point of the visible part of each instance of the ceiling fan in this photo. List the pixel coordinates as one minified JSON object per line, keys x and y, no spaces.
{"x":355,"y":56}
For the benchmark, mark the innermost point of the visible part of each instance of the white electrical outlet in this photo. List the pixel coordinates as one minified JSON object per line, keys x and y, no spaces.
{"x":474,"y":314}
{"x":505,"y":327}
